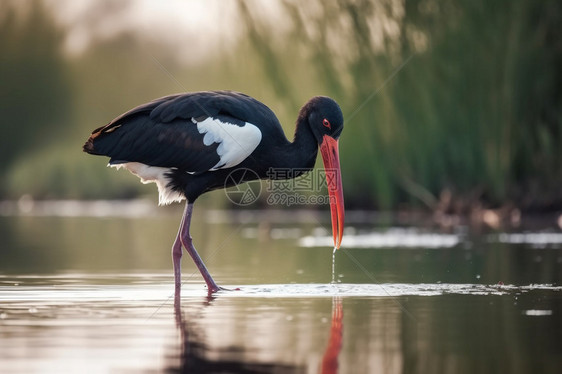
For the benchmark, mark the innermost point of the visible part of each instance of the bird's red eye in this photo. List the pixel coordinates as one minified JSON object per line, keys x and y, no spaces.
{"x":326,"y":123}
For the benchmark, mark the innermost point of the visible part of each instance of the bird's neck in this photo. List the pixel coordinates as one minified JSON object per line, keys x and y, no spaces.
{"x":301,"y":153}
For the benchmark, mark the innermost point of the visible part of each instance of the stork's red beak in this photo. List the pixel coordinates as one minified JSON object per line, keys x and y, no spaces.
{"x":330,"y":155}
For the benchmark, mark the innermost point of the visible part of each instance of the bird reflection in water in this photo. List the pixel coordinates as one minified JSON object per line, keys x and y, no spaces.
{"x":330,"y":359}
{"x":193,"y":353}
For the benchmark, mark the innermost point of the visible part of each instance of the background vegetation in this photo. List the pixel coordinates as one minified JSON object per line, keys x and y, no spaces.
{"x":449,"y":104}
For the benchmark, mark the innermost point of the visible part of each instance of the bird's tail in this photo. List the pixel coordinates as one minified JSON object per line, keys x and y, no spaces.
{"x":89,"y":147}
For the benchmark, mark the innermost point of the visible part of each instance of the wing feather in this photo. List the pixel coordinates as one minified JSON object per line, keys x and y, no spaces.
{"x":166,"y":132}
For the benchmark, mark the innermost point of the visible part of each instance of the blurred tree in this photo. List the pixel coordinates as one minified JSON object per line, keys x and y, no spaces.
{"x":35,"y":94}
{"x":441,"y":98}
{"x":438,"y":96}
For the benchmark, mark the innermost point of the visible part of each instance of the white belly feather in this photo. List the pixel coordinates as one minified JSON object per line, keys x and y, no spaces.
{"x":154,"y":174}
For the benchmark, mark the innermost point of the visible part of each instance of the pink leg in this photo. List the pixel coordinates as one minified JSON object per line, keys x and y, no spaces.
{"x":176,"y":258}
{"x":185,"y":238}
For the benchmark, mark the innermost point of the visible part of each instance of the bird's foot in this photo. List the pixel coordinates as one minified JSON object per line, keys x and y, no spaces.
{"x":230,"y":289}
{"x":216,"y":289}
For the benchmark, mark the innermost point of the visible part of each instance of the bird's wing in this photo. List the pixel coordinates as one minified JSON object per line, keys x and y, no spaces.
{"x":193,"y":132}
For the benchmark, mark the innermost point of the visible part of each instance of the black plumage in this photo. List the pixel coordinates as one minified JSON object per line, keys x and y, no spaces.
{"x":161,"y":133}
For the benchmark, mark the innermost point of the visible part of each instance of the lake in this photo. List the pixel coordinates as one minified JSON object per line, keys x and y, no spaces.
{"x":89,"y":288}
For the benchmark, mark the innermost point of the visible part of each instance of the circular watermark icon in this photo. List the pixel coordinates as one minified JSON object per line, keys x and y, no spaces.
{"x":242,"y":186}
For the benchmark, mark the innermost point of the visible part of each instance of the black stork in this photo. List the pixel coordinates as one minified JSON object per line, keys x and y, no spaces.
{"x":192,"y":143}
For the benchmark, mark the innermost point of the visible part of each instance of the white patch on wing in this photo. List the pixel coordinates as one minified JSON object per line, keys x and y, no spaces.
{"x":236,"y":143}
{"x":153,"y":174}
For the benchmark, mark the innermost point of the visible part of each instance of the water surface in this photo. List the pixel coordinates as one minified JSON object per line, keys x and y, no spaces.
{"x":96,"y":293}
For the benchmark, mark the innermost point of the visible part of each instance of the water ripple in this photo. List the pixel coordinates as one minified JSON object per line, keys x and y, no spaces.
{"x":383,"y":290}
{"x":394,"y":237}
{"x":33,"y":297}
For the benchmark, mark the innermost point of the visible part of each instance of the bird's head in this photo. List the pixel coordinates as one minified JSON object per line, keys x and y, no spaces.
{"x":325,"y":117}
{"x":326,"y":122}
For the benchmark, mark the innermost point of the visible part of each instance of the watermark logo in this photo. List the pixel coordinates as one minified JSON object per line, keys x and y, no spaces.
{"x":295,"y":198}
{"x":243,"y":193}
{"x":301,"y":180}
{"x":285,"y":186}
